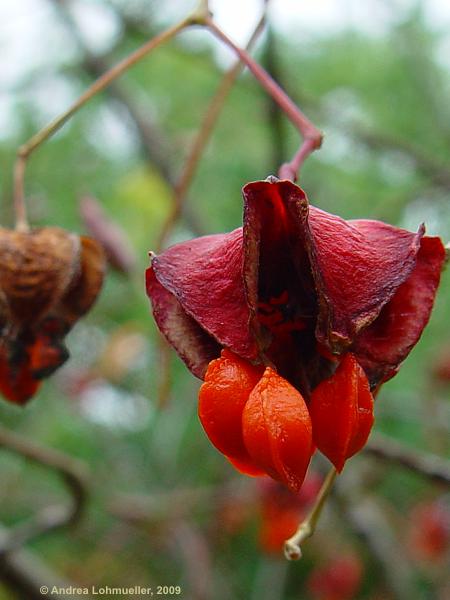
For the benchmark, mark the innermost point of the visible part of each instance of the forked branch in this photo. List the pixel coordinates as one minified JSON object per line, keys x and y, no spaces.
{"x":312,"y":137}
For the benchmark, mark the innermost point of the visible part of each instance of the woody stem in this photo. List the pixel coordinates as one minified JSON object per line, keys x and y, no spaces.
{"x":203,"y":8}
{"x":20,"y":209}
{"x":312,"y":137}
{"x":100,"y":84}
{"x":292,"y":546}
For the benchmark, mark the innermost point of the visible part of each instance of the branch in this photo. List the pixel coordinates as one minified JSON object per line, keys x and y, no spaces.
{"x":74,"y":476}
{"x":204,"y":134}
{"x":99,"y":85}
{"x":202,"y":12}
{"x":430,"y":166}
{"x":426,"y":465}
{"x":312,"y":137}
{"x":152,"y":140}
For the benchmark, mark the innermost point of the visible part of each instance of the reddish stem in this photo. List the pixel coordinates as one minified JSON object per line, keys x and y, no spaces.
{"x":312,"y":137}
{"x":290,"y":169}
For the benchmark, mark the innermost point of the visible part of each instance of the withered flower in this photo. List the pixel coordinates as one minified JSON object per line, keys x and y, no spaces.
{"x":49,"y":278}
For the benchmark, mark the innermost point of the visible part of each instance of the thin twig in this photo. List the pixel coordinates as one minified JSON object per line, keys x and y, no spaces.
{"x":292,"y":546}
{"x":19,"y":195}
{"x":202,"y":11}
{"x":100,"y":84}
{"x":312,"y":137}
{"x":151,"y":139}
{"x":204,"y":133}
{"x":426,"y":465}
{"x":153,"y":142}
{"x":74,"y":475}
{"x":430,"y":166}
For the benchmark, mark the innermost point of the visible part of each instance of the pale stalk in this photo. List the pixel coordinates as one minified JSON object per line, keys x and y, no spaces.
{"x":292,"y":546}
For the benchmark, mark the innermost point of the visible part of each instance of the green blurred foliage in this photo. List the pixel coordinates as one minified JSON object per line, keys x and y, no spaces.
{"x":383,"y":103}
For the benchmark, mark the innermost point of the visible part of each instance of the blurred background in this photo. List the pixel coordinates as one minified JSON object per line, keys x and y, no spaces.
{"x":163,"y":506}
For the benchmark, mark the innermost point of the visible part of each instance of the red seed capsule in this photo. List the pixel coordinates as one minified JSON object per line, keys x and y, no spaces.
{"x":277,"y":430}
{"x":341,"y":411}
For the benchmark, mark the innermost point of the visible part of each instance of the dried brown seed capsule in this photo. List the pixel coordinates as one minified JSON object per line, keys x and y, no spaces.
{"x":49,"y":278}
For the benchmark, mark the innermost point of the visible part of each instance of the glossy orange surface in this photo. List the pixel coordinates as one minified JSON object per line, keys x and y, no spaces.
{"x":341,"y":411}
{"x":222,"y":397}
{"x":277,"y":430}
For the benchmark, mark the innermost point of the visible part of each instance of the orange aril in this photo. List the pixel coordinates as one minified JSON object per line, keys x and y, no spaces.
{"x":341,"y":411}
{"x":277,"y":430}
